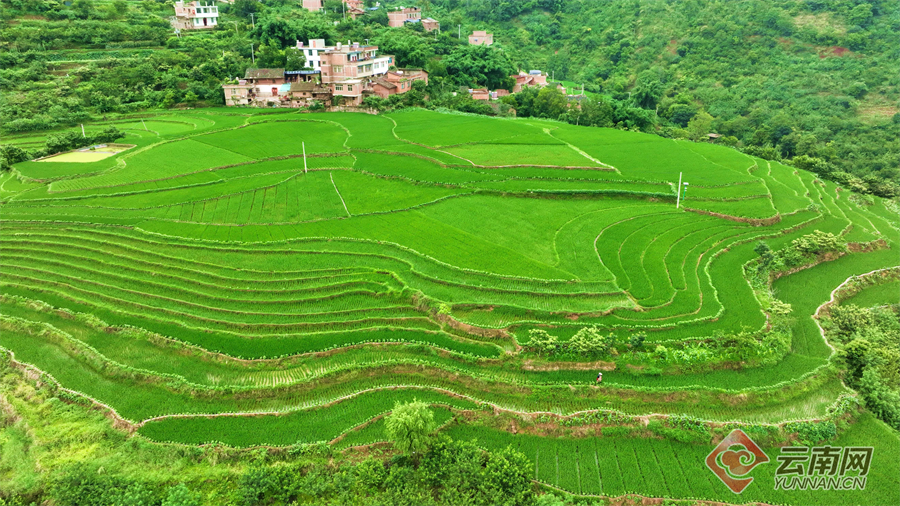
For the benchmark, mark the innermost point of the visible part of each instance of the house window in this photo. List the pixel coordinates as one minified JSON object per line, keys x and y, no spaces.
{"x":338,"y":69}
{"x":349,"y":87}
{"x":339,"y":87}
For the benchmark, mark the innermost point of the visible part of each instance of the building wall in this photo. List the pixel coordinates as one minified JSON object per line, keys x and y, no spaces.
{"x":396,"y":19}
{"x":193,"y":15}
{"x":430,"y":25}
{"x":312,"y":5}
{"x":481,"y":38}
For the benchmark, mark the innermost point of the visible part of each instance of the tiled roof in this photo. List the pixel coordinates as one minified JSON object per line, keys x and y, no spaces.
{"x":387,"y":84}
{"x":308,"y":86}
{"x":264,"y":73}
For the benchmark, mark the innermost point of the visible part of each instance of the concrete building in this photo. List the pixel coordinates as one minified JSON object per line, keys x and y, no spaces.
{"x":258,"y":87}
{"x":305,"y":93}
{"x":398,"y":82}
{"x":404,"y":15}
{"x":532,"y":78}
{"x":481,"y":38}
{"x":480,"y":94}
{"x":313,"y":5}
{"x":430,"y":25}
{"x":354,"y":8}
{"x":192,"y":16}
{"x":347,"y":69}
{"x":313,"y":52}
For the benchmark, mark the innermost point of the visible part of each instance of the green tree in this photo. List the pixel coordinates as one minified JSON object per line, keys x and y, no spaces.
{"x":479,"y":65}
{"x":681,"y":114}
{"x":10,"y":155}
{"x":409,"y":48}
{"x":589,"y":341}
{"x":541,"y":341}
{"x":700,"y":125}
{"x":550,"y":103}
{"x":409,"y":427}
{"x":508,"y":478}
{"x":596,"y":112}
{"x":860,"y":15}
{"x":180,"y":495}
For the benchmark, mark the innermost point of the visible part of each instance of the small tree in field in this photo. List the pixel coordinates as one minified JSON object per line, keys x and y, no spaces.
{"x":410,"y":426}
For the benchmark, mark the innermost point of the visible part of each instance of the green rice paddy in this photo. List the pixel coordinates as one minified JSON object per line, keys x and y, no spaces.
{"x":213,"y":284}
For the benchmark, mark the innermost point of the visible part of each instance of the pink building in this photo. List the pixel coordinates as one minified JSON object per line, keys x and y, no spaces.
{"x":480,"y":94}
{"x":258,"y":87}
{"x":430,"y":24}
{"x":398,"y":82}
{"x":404,"y":15}
{"x":533,"y":78}
{"x":481,"y":38}
{"x":312,"y":5}
{"x":192,"y":16}
{"x":347,"y":69}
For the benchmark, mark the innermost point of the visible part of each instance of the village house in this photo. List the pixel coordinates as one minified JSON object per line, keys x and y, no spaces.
{"x":532,"y":78}
{"x":481,"y":38}
{"x":398,"y":82}
{"x":348,"y":69}
{"x":354,"y":8}
{"x":259,"y":87}
{"x":192,"y":16}
{"x":313,"y":5}
{"x":313,"y":52}
{"x":430,"y":24}
{"x":480,"y":94}
{"x":305,"y":93}
{"x":404,"y":15}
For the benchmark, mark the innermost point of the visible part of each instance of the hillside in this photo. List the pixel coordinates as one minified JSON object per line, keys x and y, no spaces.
{"x":779,"y":79}
{"x":541,"y":300}
{"x":488,"y":267}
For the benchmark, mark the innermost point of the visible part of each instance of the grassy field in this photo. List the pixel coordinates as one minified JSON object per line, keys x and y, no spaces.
{"x":215,"y":284}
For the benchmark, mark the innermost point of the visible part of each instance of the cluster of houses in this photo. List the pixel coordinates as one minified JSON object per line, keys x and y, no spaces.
{"x":350,"y":71}
{"x":522,"y":81}
{"x":194,"y":15}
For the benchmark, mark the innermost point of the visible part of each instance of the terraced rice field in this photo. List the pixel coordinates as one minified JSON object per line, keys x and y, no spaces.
{"x":215,"y":284}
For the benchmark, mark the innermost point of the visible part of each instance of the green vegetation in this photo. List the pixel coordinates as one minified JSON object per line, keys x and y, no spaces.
{"x":224,"y":297}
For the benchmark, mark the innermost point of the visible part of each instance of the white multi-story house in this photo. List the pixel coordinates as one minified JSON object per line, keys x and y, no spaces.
{"x":313,"y":52}
{"x":192,"y":15}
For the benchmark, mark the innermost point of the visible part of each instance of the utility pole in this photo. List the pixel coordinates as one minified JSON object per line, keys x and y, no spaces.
{"x":252,"y":55}
{"x":252,"y":21}
{"x":304,"y":156}
{"x":459,"y":32}
{"x":82,"y":130}
{"x":678,"y":198}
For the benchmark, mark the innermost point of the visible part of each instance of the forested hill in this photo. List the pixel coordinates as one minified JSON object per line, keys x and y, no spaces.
{"x":816,"y":79}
